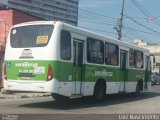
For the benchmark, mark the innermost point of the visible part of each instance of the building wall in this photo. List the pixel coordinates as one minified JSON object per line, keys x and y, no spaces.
{"x":19,"y":17}
{"x":63,"y":10}
{"x":5,"y":24}
{"x":7,"y":19}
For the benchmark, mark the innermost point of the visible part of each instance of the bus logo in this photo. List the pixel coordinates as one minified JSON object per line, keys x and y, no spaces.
{"x":8,"y":64}
{"x":103,"y":73}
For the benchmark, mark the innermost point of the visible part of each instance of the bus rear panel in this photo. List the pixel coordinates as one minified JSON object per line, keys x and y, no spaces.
{"x":29,"y":64}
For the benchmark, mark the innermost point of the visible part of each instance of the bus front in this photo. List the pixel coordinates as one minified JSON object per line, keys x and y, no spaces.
{"x":29,"y":58}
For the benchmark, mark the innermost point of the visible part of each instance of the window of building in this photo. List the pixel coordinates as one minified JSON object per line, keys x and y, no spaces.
{"x":65,"y":45}
{"x":95,"y":51}
{"x":111,"y":54}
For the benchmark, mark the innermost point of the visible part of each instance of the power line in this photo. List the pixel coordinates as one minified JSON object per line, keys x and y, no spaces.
{"x":93,"y":13}
{"x":145,"y":12}
{"x":140,"y":8}
{"x":142,"y":25}
{"x":89,"y":17}
{"x":92,"y":18}
{"x":135,"y":17}
{"x":93,"y":29}
{"x":106,"y":23}
{"x":130,"y":38}
{"x":138,"y":35}
{"x":94,"y":21}
{"x":133,"y":29}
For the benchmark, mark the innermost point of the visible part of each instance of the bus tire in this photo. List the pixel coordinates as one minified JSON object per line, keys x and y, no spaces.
{"x":99,"y":91}
{"x":139,"y":87}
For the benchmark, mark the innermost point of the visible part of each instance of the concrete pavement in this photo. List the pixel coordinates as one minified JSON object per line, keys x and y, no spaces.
{"x":15,"y":94}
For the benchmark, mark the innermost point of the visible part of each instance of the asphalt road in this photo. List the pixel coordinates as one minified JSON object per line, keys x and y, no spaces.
{"x":145,"y":103}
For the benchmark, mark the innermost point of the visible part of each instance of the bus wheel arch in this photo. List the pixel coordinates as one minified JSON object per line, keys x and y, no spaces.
{"x":99,"y":90}
{"x":139,"y":86}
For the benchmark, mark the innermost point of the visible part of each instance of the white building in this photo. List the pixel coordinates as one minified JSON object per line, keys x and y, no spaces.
{"x":153,"y":48}
{"x":63,"y":10}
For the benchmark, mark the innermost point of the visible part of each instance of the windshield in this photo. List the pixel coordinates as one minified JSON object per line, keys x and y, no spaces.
{"x":31,"y":36}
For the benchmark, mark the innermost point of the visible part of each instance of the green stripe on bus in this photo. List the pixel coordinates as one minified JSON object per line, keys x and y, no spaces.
{"x":67,"y":71}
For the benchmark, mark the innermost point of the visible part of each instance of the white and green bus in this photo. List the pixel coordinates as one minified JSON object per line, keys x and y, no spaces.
{"x":64,"y":60}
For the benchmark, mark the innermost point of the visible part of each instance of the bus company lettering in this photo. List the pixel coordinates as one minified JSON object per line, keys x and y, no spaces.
{"x":33,"y":66}
{"x":26,"y":64}
{"x":139,"y":76}
{"x":103,"y":73}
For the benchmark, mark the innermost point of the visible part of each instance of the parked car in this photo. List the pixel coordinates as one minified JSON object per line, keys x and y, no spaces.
{"x":155,"y":78}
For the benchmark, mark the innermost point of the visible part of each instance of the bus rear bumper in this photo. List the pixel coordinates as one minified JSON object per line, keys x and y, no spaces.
{"x":33,"y":86}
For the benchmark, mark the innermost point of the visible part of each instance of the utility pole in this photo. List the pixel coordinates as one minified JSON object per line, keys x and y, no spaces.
{"x":120,"y":22}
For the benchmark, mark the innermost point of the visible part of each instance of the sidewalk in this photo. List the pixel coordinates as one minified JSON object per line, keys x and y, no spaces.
{"x":15,"y":95}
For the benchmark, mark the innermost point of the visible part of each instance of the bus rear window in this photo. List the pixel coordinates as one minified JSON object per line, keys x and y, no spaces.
{"x":31,"y":36}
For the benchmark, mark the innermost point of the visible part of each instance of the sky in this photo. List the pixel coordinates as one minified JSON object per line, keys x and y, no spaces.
{"x":141,"y":18}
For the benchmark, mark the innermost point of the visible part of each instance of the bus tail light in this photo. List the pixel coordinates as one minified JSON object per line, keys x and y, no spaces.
{"x":4,"y":73}
{"x":50,"y":73}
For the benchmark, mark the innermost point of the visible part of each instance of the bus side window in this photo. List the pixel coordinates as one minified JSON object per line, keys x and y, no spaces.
{"x":107,"y":55}
{"x":95,"y":51}
{"x":138,"y":59}
{"x":65,"y":45}
{"x":111,"y":54}
{"x":131,"y":58}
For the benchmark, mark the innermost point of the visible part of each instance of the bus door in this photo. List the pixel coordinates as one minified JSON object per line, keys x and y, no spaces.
{"x":77,"y":65}
{"x":123,"y":70}
{"x":147,"y":71}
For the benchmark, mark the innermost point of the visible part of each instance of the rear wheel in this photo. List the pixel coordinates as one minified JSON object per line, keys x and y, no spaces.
{"x":99,"y":91}
{"x":139,"y":87}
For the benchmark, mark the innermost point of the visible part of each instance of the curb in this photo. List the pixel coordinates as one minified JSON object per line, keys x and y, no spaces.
{"x":2,"y":91}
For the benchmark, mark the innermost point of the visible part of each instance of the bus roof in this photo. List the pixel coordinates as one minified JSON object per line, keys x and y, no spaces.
{"x":86,"y":33}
